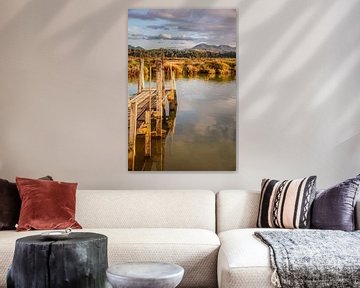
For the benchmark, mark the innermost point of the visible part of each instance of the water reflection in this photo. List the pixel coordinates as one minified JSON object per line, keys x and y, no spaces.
{"x":207,"y":77}
{"x":200,"y":130}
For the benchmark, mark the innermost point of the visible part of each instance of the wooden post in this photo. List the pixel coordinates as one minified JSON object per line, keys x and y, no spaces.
{"x":171,"y":95}
{"x":150,"y":107}
{"x":162,"y":154}
{"x":159,"y":94}
{"x":173,"y":84}
{"x":132,"y":134}
{"x":163,"y":77}
{"x":172,"y":104}
{"x":141,"y":83}
{"x":163,"y":102}
{"x":148,"y":133}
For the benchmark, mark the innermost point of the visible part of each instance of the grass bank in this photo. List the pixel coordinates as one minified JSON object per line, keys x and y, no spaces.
{"x":219,"y":67}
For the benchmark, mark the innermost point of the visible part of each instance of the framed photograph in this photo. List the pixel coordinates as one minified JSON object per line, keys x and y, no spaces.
{"x":182,"y":98}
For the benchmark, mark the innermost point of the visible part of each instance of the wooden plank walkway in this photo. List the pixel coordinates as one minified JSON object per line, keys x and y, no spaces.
{"x":147,"y":106}
{"x":142,"y":100}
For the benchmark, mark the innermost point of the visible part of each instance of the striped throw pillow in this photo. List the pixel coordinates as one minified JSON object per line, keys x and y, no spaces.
{"x":286,"y":204}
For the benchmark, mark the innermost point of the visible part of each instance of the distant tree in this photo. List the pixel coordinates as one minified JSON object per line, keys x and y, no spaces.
{"x":175,"y":53}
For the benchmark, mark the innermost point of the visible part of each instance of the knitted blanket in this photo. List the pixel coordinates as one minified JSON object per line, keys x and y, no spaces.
{"x":313,"y":258}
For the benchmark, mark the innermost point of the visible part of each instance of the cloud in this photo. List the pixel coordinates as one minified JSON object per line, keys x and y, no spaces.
{"x":135,"y":36}
{"x":170,"y":37}
{"x":215,"y":26}
{"x":154,"y":14}
{"x":164,"y":36}
{"x":158,"y":27}
{"x":198,"y":20}
{"x":163,"y":27}
{"x":160,"y":37}
{"x":181,"y":15}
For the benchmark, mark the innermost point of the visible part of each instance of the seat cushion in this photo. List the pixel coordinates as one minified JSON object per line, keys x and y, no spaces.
{"x":196,"y":250}
{"x":244,"y":261}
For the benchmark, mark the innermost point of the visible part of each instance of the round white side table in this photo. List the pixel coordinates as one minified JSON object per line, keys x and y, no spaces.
{"x":145,"y":275}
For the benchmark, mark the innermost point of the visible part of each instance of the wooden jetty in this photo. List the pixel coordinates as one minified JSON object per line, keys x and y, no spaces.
{"x":146,"y":110}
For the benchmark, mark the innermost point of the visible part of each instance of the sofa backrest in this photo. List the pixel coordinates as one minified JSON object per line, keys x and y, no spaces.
{"x":239,"y":209}
{"x":236,"y":209}
{"x":146,"y":209}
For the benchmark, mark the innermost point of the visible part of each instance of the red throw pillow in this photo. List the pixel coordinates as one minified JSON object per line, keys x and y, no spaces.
{"x":46,"y":204}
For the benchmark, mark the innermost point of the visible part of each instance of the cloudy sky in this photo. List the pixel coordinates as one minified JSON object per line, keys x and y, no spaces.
{"x":181,"y":28}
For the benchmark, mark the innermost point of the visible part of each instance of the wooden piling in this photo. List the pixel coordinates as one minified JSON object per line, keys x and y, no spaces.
{"x":148,"y":133}
{"x":141,"y":82}
{"x":171,"y":96}
{"x":173,"y":83}
{"x":132,"y":133}
{"x":150,"y":107}
{"x":159,"y":92}
{"x":163,"y":77}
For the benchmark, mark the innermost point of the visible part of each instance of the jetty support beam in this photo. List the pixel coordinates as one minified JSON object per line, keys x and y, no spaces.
{"x":132,"y":134}
{"x":141,"y":83}
{"x":148,"y":133}
{"x":159,"y":95}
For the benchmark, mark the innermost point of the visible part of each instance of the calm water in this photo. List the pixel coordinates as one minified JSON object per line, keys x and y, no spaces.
{"x":204,"y":135}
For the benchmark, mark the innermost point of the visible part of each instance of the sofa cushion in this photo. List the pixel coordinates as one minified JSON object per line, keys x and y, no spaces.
{"x":244,"y":261}
{"x":286,"y":204}
{"x":334,"y":208}
{"x":236,"y":209}
{"x":194,"y":249}
{"x":153,"y":209}
{"x":46,"y":204}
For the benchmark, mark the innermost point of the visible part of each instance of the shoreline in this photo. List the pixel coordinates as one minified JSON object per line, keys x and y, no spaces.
{"x":188,"y":67}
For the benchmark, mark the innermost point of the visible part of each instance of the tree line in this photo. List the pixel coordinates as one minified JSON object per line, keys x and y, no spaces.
{"x":175,"y":53}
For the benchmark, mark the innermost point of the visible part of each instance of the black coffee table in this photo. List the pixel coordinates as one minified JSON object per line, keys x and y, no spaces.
{"x":80,"y":261}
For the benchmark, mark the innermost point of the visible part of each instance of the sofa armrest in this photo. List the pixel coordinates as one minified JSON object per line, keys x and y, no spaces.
{"x":357,"y":215}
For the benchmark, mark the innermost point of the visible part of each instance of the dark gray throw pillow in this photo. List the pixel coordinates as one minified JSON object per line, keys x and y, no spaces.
{"x":10,"y":204}
{"x":334,"y":208}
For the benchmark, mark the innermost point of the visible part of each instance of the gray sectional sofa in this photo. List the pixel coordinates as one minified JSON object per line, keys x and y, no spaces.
{"x":210,"y":235}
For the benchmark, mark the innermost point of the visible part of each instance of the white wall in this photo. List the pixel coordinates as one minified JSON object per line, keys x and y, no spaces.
{"x":63,"y":92}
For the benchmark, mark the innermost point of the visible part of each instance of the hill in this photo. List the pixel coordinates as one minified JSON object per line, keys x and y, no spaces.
{"x":214,"y":48}
{"x":135,"y":47}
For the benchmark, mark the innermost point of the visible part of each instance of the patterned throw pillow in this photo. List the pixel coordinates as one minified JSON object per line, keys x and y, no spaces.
{"x":286,"y":204}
